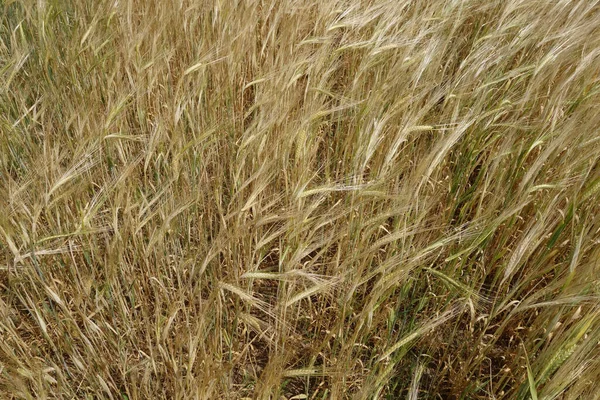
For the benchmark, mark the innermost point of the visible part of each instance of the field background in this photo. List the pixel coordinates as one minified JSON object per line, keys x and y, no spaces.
{"x":277,"y":199}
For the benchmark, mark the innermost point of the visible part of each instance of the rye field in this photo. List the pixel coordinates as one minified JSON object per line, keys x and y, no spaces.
{"x":300,"y":199}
